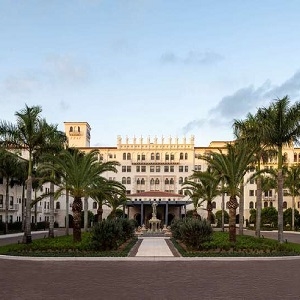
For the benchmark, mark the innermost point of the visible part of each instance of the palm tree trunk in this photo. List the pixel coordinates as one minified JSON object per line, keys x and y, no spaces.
{"x":86,"y":214}
{"x":280,"y":197}
{"x":223,"y":214}
{"x":27,"y":233}
{"x":100,"y":212}
{"x":51,"y":218}
{"x":6,"y":206}
{"x":232,"y":205}
{"x":209,"y":211}
{"x":67,"y":211}
{"x":76,"y":209}
{"x":23,"y":208}
{"x":241,"y":211}
{"x":293,"y":212}
{"x":258,"y":207}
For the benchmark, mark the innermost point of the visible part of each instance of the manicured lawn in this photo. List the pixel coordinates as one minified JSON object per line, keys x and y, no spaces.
{"x":63,"y":246}
{"x":245,"y":246}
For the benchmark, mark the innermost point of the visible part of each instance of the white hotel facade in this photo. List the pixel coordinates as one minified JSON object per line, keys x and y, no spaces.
{"x":151,"y":170}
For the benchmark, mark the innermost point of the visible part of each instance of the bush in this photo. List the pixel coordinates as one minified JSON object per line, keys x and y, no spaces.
{"x":219,"y":218}
{"x":193,"y":232}
{"x":110,"y":234}
{"x":269,"y":215}
{"x":175,"y":228}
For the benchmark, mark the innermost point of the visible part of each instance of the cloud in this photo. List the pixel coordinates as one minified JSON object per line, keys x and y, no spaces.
{"x":24,"y":84}
{"x":64,"y":68}
{"x":192,"y":58}
{"x":245,"y":100}
{"x":63,"y":105}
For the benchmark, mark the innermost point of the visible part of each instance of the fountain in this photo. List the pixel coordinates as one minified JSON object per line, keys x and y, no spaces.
{"x":154,"y":222}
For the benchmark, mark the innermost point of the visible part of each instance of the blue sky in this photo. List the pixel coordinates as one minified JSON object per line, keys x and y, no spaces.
{"x":148,"y":67}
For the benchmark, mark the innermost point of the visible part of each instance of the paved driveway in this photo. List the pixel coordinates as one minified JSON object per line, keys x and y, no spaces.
{"x":149,"y":280}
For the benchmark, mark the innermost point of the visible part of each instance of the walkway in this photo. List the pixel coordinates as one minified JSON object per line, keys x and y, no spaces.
{"x":154,"y":246}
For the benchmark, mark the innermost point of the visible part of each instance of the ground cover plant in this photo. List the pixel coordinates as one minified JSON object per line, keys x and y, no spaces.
{"x":219,"y":246}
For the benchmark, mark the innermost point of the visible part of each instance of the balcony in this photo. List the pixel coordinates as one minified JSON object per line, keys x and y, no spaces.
{"x":14,"y":207}
{"x":153,"y":162}
{"x":269,"y":198}
{"x":47,"y":211}
{"x":39,"y":209}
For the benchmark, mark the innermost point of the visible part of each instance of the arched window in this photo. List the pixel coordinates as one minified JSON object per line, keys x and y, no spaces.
{"x":95,"y":205}
{"x":167,"y":156}
{"x":151,"y":181}
{"x":123,"y":180}
{"x":271,"y":204}
{"x":185,"y":156}
{"x":295,"y":157}
{"x":152,"y":156}
{"x":124,"y":156}
{"x":251,"y":204}
{"x":180,"y":180}
{"x":138,"y":181}
{"x":284,"y":205}
{"x":78,"y":129}
{"x":265,"y":204}
{"x":71,"y":129}
{"x":128,"y":180}
{"x":181,"y":156}
{"x":156,"y":181}
{"x":166,"y":181}
{"x":171,"y":181}
{"x":157,"y":156}
{"x":142,"y":181}
{"x":214,"y":205}
{"x":57,"y":205}
{"x":172,"y":156}
{"x":128,"y":156}
{"x":143,"y":156}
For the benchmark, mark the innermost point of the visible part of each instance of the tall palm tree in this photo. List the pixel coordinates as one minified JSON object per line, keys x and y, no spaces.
{"x":205,"y":185}
{"x":29,"y":133}
{"x":231,"y":168}
{"x":292,"y":182}
{"x":79,"y":173}
{"x":9,"y":163}
{"x":249,"y":133}
{"x":281,"y":127}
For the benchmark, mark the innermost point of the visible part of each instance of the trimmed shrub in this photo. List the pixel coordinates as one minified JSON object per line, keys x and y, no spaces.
{"x":110,"y":234}
{"x":192,"y":232}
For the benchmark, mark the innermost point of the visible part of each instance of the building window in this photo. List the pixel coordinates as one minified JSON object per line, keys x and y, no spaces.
{"x":138,"y":168}
{"x":142,"y":181}
{"x":152,"y":169}
{"x":172,"y":157}
{"x":284,"y":205}
{"x":171,"y":181}
{"x":123,"y":168}
{"x":214,"y":205}
{"x":143,"y":157}
{"x":227,"y":203}
{"x":143,"y":169}
{"x":166,"y":181}
{"x":151,"y":181}
{"x":298,"y":204}
{"x":128,"y":156}
{"x":124,"y":156}
{"x":128,"y":168}
{"x":1,"y":201}
{"x":157,"y":156}
{"x":152,"y":156}
{"x":251,"y":204}
{"x":138,"y":181}
{"x":71,"y":129}
{"x":186,"y":168}
{"x":171,"y":168}
{"x":123,"y":180}
{"x":181,"y":156}
{"x":251,"y":193}
{"x":265,"y":204}
{"x":180,"y":180}
{"x":156,"y":181}
{"x":180,"y":168}
{"x":185,"y":156}
{"x":128,"y":181}
{"x":94,"y":205}
{"x":167,"y":157}
{"x":157,"y":168}
{"x":295,"y":157}
{"x":57,"y":205}
{"x":138,"y":157}
{"x":166,"y":168}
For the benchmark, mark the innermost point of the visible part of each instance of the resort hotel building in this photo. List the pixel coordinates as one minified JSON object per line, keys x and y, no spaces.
{"x":152,"y":170}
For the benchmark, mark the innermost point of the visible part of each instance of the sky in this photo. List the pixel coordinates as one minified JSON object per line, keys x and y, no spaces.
{"x":148,"y":67}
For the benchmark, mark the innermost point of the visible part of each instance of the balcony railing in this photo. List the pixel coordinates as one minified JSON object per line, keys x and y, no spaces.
{"x":14,"y":207}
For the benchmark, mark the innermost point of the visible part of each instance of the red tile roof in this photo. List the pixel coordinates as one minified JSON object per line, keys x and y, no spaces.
{"x":158,"y":194}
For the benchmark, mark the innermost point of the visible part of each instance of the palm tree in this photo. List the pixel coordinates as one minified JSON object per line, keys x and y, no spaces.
{"x":29,"y":133}
{"x":292,"y":182}
{"x":204,"y":185}
{"x":249,"y":133}
{"x":114,"y":202}
{"x":231,"y":168}
{"x":80,"y":172}
{"x":281,"y":126}
{"x":9,"y":163}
